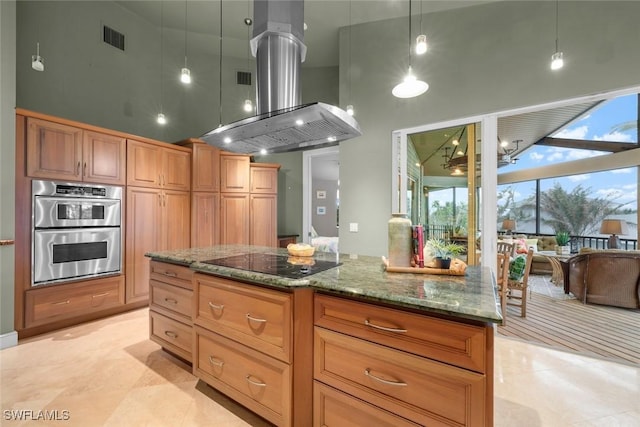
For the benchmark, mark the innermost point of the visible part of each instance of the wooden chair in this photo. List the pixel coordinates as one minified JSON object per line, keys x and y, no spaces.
{"x":506,"y":248}
{"x":519,"y":297}
{"x":502,"y":276}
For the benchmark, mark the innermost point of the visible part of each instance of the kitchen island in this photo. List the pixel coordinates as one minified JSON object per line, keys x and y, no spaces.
{"x":350,"y":345}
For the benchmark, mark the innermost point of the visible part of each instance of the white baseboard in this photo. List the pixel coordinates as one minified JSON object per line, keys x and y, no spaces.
{"x":9,"y":339}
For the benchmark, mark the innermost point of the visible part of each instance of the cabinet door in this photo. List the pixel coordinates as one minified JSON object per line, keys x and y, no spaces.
{"x":54,"y":150}
{"x":206,"y":168}
{"x":104,"y":158}
{"x":234,"y":173}
{"x":263,"y":220}
{"x":205,"y":219}
{"x":234,"y":219}
{"x":264,"y":179}
{"x":176,"y":170}
{"x":175,"y":227}
{"x":144,"y":164}
{"x":143,"y":235}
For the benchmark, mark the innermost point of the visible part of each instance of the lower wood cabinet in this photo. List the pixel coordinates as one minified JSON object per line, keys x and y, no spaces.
{"x":48,"y":304}
{"x":170,"y":308}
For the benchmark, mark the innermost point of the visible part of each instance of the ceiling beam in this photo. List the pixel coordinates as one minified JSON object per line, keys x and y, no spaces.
{"x":611,"y":147}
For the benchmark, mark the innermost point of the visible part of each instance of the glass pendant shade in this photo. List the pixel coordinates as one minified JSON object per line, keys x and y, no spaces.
{"x":350,"y":110}
{"x":421,"y":44}
{"x":37,"y":61}
{"x":185,"y":76}
{"x":410,"y":86}
{"x":248,"y":105}
{"x":557,"y":61}
{"x":161,"y":119}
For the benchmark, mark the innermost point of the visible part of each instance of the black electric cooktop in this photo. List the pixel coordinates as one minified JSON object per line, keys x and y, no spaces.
{"x":277,"y":265}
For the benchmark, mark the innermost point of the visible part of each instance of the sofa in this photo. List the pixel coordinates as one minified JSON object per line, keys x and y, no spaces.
{"x":540,"y":264}
{"x":608,"y":277}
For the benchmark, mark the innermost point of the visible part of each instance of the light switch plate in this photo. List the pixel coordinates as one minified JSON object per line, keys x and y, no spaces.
{"x":353,"y":227}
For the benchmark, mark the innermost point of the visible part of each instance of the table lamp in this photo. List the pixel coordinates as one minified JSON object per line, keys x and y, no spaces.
{"x":614,"y":227}
{"x":509,"y":225}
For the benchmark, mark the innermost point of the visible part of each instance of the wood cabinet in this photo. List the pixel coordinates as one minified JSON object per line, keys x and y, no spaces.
{"x":264,"y":178}
{"x":58,"y":302}
{"x":157,"y":166}
{"x":156,"y":220}
{"x":234,"y":219}
{"x":170,"y":308}
{"x":263,"y":221}
{"x":206,"y":168}
{"x":234,"y":173}
{"x":205,"y":219}
{"x":63,"y":152}
{"x":423,"y":369}
{"x":246,"y":343}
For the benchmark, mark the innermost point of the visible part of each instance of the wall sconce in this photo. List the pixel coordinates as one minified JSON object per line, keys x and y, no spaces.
{"x":614,"y":227}
{"x":37,"y":61}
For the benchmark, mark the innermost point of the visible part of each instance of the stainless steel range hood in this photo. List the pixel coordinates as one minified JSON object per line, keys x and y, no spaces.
{"x":282,"y":124}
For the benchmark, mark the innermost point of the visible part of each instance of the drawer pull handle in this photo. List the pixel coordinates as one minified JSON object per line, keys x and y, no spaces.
{"x":216,"y":362}
{"x":171,"y":273}
{"x":259,"y":384}
{"x":255,"y":319}
{"x":171,"y":334}
{"x":104,"y":294}
{"x":368,"y":373}
{"x":382,"y":328}
{"x":216,"y":307}
{"x":61,"y":302}
{"x":171,"y":300}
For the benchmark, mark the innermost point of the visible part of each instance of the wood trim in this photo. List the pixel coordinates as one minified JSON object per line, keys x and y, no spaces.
{"x":608,"y":146}
{"x":7,"y":242}
{"x":302,"y":366}
{"x":84,"y":126}
{"x":490,"y":373}
{"x":22,"y":262}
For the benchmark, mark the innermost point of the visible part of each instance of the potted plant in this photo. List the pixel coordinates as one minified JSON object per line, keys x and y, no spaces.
{"x":444,"y":251}
{"x":562,"y":240}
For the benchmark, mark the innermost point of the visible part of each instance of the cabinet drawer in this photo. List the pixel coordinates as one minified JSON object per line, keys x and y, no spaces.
{"x":257,"y":317}
{"x":394,"y":380}
{"x":48,"y":304}
{"x":178,"y":301}
{"x":334,"y":408}
{"x":177,"y":275}
{"x":259,"y":382}
{"x":171,"y":334}
{"x":454,"y":343}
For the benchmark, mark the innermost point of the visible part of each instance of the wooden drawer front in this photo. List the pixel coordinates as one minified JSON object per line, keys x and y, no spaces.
{"x":259,"y":382}
{"x":257,"y":317}
{"x":450,"y":342}
{"x":394,"y":380}
{"x":52,"y":303}
{"x":177,"y":275}
{"x":173,"y":335}
{"x":177,"y":300}
{"x":334,"y":408}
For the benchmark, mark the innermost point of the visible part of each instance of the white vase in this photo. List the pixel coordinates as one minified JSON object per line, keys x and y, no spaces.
{"x":400,"y":241}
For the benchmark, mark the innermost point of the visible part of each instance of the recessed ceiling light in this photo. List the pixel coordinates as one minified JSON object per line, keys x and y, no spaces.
{"x":227,"y":140}
{"x":299,"y":122}
{"x":331,"y":138}
{"x":263,"y":151}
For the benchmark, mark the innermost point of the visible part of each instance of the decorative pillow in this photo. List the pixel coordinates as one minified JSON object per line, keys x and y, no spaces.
{"x":521,"y":246}
{"x":516,"y":267}
{"x":532,"y":243}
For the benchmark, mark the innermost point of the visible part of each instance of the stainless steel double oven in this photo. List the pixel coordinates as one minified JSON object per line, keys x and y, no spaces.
{"x":76,"y":231}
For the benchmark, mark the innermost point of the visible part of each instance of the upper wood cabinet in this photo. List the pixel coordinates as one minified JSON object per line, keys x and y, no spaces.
{"x":205,"y":219}
{"x":234,"y":173}
{"x":206,"y":168}
{"x":264,"y":178}
{"x":150,"y":165}
{"x":63,"y":152}
{"x":234,"y":219}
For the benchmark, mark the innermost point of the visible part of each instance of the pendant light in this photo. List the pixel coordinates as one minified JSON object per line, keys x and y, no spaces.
{"x":350,"y":110}
{"x":557,"y":60}
{"x":410,"y":86}
{"x":248,"y":104}
{"x":421,"y":40}
{"x":37,"y":61}
{"x":161,"y":119}
{"x":185,"y":73}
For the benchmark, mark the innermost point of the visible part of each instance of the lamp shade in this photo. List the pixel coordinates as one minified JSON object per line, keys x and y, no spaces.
{"x":614,"y":226}
{"x":509,"y":224}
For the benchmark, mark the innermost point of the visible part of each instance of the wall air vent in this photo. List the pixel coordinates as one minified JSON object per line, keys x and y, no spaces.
{"x":243,"y":78}
{"x":113,"y":37}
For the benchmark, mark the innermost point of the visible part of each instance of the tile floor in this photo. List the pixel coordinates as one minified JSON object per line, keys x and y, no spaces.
{"x":107,"y":373}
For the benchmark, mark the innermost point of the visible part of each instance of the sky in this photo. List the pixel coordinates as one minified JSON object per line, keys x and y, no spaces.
{"x":619,"y":185}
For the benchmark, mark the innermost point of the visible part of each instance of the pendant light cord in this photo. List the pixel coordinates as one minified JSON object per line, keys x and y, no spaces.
{"x":185,"y":32}
{"x":161,"y":53}
{"x":557,"y":1}
{"x":220,"y":62}
{"x":409,"y":33}
{"x":349,"y":68}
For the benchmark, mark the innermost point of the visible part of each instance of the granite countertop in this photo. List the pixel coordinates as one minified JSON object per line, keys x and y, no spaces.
{"x":472,"y":296}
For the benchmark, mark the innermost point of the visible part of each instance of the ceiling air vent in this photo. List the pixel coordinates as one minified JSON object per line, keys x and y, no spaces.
{"x":113,"y":37}
{"x":243,"y":78}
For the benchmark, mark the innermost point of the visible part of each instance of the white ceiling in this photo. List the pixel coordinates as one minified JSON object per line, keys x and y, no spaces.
{"x":324,"y":18}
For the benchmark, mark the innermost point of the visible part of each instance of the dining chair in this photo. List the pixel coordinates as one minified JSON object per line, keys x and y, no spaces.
{"x":519,"y":297}
{"x":506,"y":248}
{"x":502,"y":276}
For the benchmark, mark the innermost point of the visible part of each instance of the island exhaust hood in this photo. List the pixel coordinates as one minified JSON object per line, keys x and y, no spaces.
{"x":281,"y":123}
